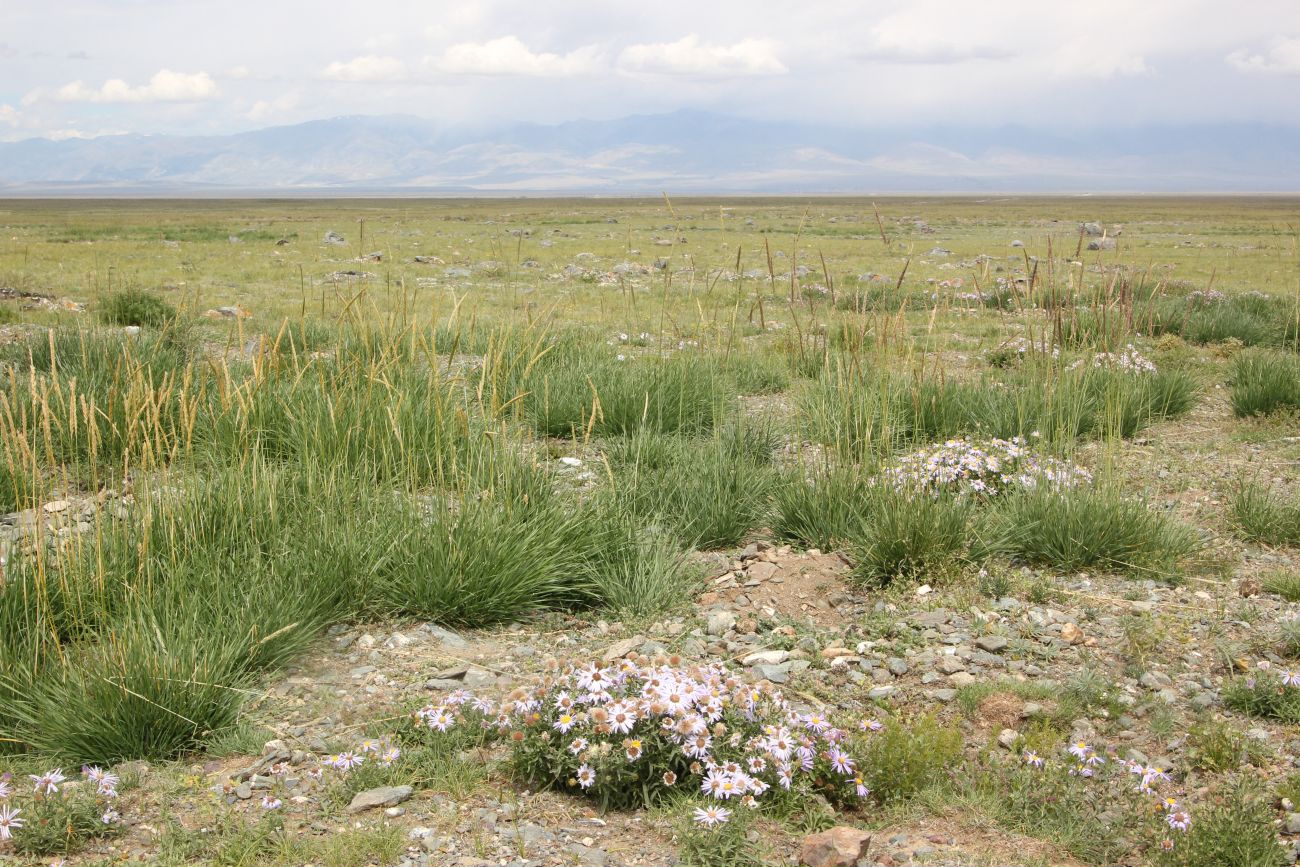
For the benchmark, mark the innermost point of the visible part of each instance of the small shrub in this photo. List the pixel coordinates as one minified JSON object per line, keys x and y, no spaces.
{"x":1261,"y":515}
{"x":1236,"y":829}
{"x":1266,"y":694}
{"x":1263,"y":384}
{"x":637,"y":733}
{"x":61,"y":818}
{"x":1215,"y":746}
{"x":982,"y":468}
{"x":136,"y":307}
{"x":1086,"y":528}
{"x":906,"y":758}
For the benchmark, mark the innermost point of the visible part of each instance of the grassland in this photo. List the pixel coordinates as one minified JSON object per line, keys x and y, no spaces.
{"x":225,"y":434}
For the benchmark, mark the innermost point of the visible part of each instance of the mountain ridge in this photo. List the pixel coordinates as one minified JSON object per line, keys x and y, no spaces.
{"x":683,"y":151}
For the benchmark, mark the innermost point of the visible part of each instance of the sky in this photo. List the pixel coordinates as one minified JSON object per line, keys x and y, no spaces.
{"x":199,"y":67}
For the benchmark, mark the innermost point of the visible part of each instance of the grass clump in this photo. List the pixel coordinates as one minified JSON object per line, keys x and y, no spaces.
{"x":1265,"y":383}
{"x":710,"y":492}
{"x":1282,"y":582}
{"x":486,"y":561}
{"x":821,"y":509}
{"x":1213,"y":317}
{"x":1215,"y":746}
{"x":1265,"y":694}
{"x":861,"y":411}
{"x":136,"y":307}
{"x":576,"y":391}
{"x":1260,"y":515}
{"x":904,"y":535}
{"x":1088,"y":528}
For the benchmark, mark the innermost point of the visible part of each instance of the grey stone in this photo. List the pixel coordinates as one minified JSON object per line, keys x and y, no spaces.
{"x":991,"y":643}
{"x":949,"y":665}
{"x":767,"y":657}
{"x":385,"y":796}
{"x":446,"y":636}
{"x":775,"y":673}
{"x":720,"y":622}
{"x":620,"y":649}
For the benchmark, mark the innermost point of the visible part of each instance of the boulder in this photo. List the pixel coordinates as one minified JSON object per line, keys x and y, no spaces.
{"x":841,"y":846}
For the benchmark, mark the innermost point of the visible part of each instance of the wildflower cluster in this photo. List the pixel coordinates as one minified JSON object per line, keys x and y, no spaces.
{"x":1268,"y":692}
{"x":1206,"y":297}
{"x":981,"y":467}
{"x":1127,"y":361}
{"x":1125,"y":777}
{"x":628,"y":733}
{"x":56,"y":811}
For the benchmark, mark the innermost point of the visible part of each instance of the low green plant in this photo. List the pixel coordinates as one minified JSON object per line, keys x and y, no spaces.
{"x":63,"y":817}
{"x":726,"y":845}
{"x":1283,"y":582}
{"x":905,"y":534}
{"x":822,"y":508}
{"x":1236,"y":828}
{"x":909,"y":756}
{"x":1265,"y":383}
{"x":136,"y":307}
{"x":1290,"y":643}
{"x":1262,"y":515}
{"x":1215,"y":746}
{"x":1263,"y":694}
{"x":1087,"y":528}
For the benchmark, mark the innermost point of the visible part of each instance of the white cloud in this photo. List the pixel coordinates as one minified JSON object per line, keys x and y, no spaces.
{"x":1086,"y":59}
{"x":1282,"y":58}
{"x":690,"y":56}
{"x":8,"y":114}
{"x":509,"y":56}
{"x":164,"y":86}
{"x":239,"y":73}
{"x":270,"y":109}
{"x":367,"y":68}
{"x":900,"y":39}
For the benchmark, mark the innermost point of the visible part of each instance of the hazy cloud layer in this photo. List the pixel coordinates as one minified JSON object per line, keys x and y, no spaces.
{"x":79,"y":67}
{"x":163,"y":86}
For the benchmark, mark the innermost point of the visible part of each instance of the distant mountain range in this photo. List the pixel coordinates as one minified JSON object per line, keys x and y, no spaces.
{"x":681,"y":152}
